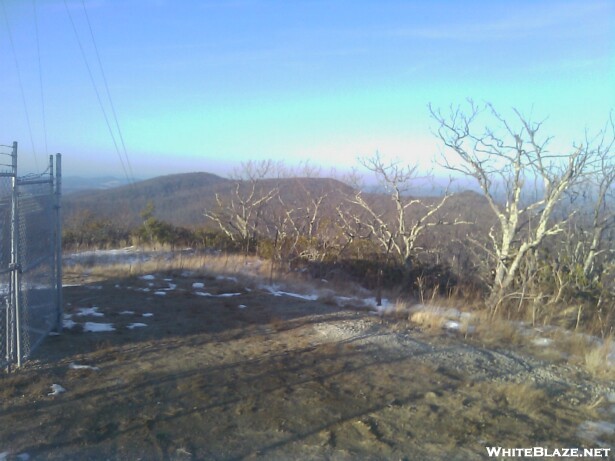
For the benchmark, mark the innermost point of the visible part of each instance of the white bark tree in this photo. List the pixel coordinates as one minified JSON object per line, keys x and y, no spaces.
{"x":240,"y":213}
{"x":521,"y":179}
{"x":601,"y":182}
{"x":397,"y":231}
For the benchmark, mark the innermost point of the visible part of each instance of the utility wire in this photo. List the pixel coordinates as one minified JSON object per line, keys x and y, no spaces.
{"x":102,"y":107}
{"x":23,"y":94}
{"x":40,"y":75}
{"x":104,"y":77}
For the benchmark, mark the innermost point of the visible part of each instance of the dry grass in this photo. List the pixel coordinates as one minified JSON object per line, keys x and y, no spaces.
{"x":199,"y":264}
{"x":494,"y":330}
{"x":435,"y":318}
{"x":596,"y":360}
{"x":429,"y":320}
{"x":276,"y":323}
{"x":252,"y":271}
{"x":401,"y":309}
{"x":573,"y":345}
{"x":524,"y":398}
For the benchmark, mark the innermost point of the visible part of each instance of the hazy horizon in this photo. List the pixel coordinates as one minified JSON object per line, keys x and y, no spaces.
{"x":205,"y":85}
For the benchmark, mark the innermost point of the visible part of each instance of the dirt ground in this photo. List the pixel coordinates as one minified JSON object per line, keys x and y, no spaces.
{"x":225,"y":371}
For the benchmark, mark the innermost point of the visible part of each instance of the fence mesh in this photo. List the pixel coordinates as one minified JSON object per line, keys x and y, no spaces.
{"x":6,"y":178}
{"x":29,"y":255}
{"x":36,"y":253}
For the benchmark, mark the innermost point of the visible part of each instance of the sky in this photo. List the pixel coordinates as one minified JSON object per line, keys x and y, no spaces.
{"x":206,"y":85}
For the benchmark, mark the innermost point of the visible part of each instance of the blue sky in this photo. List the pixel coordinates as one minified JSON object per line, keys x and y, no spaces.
{"x":204,"y":85}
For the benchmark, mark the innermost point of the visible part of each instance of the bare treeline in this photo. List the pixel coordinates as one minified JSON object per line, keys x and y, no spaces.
{"x":537,"y":239}
{"x":531,"y":237}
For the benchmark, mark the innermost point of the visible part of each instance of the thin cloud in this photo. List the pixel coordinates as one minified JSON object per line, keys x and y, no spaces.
{"x":556,"y":18}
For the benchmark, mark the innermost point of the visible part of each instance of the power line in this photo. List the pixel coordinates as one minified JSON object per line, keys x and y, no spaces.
{"x":104,"y":77}
{"x":102,"y":107}
{"x":40,"y":75}
{"x":23,"y":94}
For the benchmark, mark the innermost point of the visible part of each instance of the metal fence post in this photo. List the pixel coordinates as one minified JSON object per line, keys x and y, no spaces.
{"x":31,"y":303}
{"x":13,"y":325}
{"x":58,"y":242}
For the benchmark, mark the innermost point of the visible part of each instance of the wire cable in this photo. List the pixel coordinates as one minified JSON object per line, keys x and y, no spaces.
{"x":104,"y":78}
{"x":40,"y":75}
{"x":102,"y":107}
{"x":21,"y":88}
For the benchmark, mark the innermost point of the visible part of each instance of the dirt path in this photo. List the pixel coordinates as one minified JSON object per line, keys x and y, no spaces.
{"x":224,"y":372}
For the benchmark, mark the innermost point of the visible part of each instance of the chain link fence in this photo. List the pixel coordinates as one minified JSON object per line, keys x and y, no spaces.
{"x":6,"y":174}
{"x":30,"y":258}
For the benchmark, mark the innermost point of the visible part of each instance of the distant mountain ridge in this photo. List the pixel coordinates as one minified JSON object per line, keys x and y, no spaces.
{"x":182,"y":198}
{"x":175,"y":197}
{"x":72,"y":184}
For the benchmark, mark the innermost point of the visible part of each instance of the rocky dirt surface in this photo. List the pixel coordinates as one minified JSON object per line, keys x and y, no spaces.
{"x":208,"y":368}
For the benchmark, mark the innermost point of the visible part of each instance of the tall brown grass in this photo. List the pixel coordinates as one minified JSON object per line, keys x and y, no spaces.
{"x":488,"y":329}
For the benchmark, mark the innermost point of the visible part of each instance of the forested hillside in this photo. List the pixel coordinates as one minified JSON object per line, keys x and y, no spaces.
{"x":178,"y":198}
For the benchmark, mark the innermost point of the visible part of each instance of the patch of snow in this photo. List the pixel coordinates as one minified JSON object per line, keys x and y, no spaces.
{"x":56,"y":389}
{"x":160,"y":293}
{"x":168,"y":280}
{"x":148,"y":314}
{"x":68,"y":323}
{"x":91,"y":311}
{"x":300,"y":296}
{"x":224,"y":277}
{"x":452,"y":325}
{"x":97,"y":327}
{"x":343,"y":301}
{"x":21,"y":456}
{"x":242,"y":306}
{"x":273,"y":289}
{"x":75,"y":366}
{"x":132,"y":326}
{"x":171,"y":287}
{"x":539,"y":341}
{"x":594,"y":430}
{"x":117,"y":285}
{"x":222,"y":295}
{"x":127,"y":313}
{"x":148,"y":277}
{"x":196,"y":285}
{"x":385,"y":307}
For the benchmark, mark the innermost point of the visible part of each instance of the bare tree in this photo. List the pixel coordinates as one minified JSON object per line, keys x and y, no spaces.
{"x":240,"y":213}
{"x":505,"y":160}
{"x":396,"y":231}
{"x":304,"y":215}
{"x":602,"y":181}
